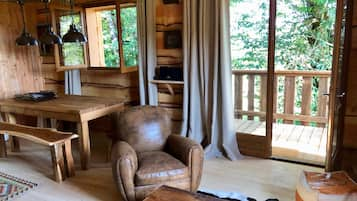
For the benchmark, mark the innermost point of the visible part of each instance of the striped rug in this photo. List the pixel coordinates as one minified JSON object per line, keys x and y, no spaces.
{"x":11,"y":186}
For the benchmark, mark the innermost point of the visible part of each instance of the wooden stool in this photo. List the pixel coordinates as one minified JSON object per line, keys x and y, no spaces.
{"x":62,"y":160}
{"x":334,"y":186}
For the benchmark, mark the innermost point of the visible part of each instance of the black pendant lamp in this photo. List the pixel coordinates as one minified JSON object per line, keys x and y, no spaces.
{"x":25,"y":39}
{"x":73,"y":35}
{"x":49,"y":38}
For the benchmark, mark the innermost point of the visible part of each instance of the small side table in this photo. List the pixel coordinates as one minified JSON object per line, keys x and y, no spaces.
{"x":334,"y":186}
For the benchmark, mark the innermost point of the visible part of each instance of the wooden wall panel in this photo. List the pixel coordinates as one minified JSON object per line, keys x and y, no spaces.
{"x":110,"y":77}
{"x":20,"y":67}
{"x":53,"y":81}
{"x":104,"y":82}
{"x":351,"y":98}
{"x":350,"y":137}
{"x":168,"y":14}
{"x":111,"y":83}
{"x":349,"y":148}
{"x":349,"y":162}
{"x":169,"y":17}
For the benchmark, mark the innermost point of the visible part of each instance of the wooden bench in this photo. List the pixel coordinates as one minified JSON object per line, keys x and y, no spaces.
{"x":59,"y":143}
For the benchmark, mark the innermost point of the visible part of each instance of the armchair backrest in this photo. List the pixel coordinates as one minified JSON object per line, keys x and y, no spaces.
{"x":145,"y":128}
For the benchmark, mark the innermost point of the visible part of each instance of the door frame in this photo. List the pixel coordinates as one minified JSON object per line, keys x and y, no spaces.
{"x":336,"y":118}
{"x":270,"y":78}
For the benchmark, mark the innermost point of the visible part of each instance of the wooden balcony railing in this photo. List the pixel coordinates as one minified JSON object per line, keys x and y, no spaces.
{"x":250,"y":95}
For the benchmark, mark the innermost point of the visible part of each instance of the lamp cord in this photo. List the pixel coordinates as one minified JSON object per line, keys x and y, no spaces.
{"x":47,"y":16}
{"x":21,"y":3}
{"x":72,"y":11}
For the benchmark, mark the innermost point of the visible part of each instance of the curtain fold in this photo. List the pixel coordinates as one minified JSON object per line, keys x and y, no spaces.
{"x":208,"y":107}
{"x":72,"y":82}
{"x":147,"y":51}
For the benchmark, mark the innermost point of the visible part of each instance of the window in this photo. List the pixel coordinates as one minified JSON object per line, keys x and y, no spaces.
{"x":72,"y":53}
{"x":109,"y":47}
{"x":69,"y":55}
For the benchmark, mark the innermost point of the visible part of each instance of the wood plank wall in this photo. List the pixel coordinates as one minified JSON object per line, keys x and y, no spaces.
{"x":349,"y":153}
{"x":20,"y":69}
{"x":169,"y":17}
{"x":111,"y":83}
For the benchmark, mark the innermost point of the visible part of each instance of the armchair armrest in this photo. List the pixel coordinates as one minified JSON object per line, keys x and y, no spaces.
{"x":124,"y":166}
{"x":190,"y":153}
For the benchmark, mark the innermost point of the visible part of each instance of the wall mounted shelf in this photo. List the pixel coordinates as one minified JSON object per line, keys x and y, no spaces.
{"x":168,"y":84}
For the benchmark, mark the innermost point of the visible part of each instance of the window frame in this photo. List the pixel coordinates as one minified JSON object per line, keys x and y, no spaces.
{"x":123,"y":67}
{"x":118,"y":5}
{"x":93,"y":10}
{"x":57,"y":56}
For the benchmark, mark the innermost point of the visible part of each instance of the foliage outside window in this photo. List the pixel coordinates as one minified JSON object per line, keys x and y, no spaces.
{"x":110,"y":37}
{"x":107,"y":46}
{"x":249,"y":34}
{"x":71,"y":54}
{"x":129,"y":36}
{"x":304,"y":34}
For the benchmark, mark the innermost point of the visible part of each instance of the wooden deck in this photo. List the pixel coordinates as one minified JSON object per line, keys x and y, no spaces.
{"x":292,"y":142}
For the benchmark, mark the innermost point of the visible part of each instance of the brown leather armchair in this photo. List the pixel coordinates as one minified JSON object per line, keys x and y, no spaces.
{"x":145,"y":155}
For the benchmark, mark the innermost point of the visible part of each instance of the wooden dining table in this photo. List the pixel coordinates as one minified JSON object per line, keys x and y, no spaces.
{"x":79,"y":109}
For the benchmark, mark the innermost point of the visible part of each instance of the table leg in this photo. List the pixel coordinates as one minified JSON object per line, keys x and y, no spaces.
{"x":2,"y":146}
{"x":83,"y":132}
{"x":53,"y":123}
{"x":41,"y":122}
{"x":14,"y":141}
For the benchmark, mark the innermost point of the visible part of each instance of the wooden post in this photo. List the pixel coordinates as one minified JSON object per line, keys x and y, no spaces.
{"x":306,"y":97}
{"x":238,"y":95}
{"x":289,"y":97}
{"x":263,"y":95}
{"x":275,"y":96}
{"x":251,"y":95}
{"x":322,"y":100}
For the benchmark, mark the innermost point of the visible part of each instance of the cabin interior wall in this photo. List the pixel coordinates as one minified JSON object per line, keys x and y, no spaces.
{"x":20,"y":67}
{"x":349,"y":151}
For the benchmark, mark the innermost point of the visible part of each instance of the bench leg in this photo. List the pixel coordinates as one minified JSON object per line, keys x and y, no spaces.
{"x":57,"y":162}
{"x":2,"y":146}
{"x":14,"y":141}
{"x":69,"y":158}
{"x":109,"y":151}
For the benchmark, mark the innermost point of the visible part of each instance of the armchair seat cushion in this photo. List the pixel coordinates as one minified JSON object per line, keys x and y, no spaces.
{"x":156,"y":167}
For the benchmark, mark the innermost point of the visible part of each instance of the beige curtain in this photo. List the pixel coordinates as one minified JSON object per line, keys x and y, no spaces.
{"x":208,"y":106}
{"x":72,"y":82}
{"x":147,"y":51}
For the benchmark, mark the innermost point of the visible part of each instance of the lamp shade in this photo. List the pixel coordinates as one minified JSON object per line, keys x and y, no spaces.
{"x":25,"y":39}
{"x":74,"y":36}
{"x":50,"y":38}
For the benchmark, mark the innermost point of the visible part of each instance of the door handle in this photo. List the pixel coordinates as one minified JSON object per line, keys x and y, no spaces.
{"x":341,"y":95}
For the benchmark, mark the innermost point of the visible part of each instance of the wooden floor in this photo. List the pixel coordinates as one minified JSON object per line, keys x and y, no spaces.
{"x":292,"y":142}
{"x":278,"y":179}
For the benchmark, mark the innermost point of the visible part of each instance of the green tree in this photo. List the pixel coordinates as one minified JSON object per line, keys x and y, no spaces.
{"x":129,"y":35}
{"x":72,"y":53}
{"x":110,"y":38}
